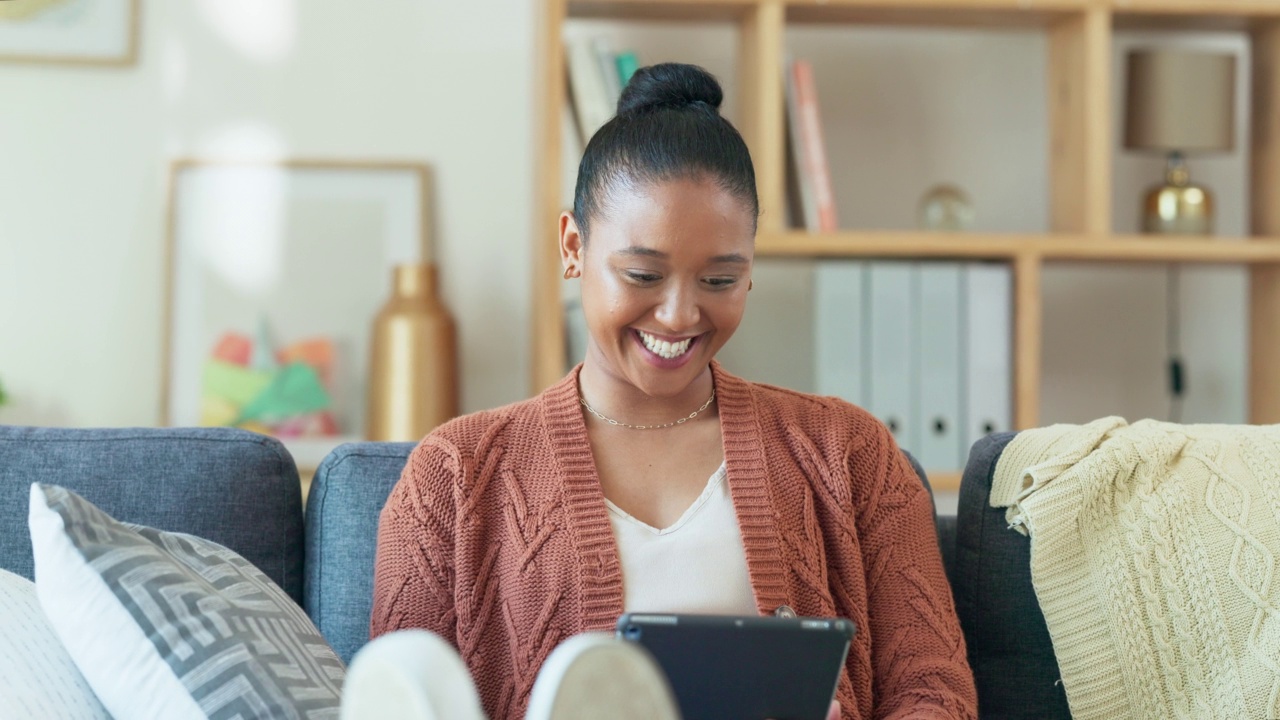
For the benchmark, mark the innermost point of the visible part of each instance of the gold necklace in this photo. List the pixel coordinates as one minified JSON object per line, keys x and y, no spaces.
{"x":681,"y":421}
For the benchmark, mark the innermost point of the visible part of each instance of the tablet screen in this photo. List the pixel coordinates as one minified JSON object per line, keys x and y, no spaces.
{"x":745,"y":668}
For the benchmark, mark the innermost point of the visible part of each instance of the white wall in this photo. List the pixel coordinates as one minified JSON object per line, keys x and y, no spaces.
{"x":84,"y":157}
{"x":84,"y":152}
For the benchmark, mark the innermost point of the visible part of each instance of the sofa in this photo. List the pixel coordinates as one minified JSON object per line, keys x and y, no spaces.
{"x":242,"y":490}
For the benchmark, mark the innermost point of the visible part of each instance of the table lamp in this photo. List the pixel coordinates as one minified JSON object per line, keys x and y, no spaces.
{"x":1179,"y":103}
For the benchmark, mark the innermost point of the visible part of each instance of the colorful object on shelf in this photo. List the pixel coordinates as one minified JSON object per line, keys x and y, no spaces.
{"x":628,"y":63}
{"x":287,"y":393}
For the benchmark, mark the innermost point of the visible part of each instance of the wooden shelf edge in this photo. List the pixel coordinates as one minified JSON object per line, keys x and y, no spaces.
{"x":990,"y":14}
{"x":890,"y":244}
{"x":996,"y":246}
{"x":662,"y":9}
{"x":1139,"y":248}
{"x":1259,"y":8}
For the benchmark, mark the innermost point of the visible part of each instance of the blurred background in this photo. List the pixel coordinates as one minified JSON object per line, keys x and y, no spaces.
{"x":405,"y":131}
{"x":86,"y":153}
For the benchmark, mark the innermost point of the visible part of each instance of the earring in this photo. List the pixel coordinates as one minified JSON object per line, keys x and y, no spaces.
{"x":569,"y":272}
{"x":750,"y":284}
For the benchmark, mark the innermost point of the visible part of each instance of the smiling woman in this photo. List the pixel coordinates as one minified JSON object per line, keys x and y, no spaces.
{"x":650,"y":479}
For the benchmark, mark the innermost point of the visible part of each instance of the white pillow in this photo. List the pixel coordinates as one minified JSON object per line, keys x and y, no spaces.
{"x":167,"y":625}
{"x":38,"y":680}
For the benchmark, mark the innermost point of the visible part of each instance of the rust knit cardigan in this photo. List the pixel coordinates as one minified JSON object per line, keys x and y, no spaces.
{"x":497,"y":538}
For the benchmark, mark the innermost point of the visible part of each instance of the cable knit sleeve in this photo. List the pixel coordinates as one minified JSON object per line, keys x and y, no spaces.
{"x":918,"y":656}
{"x":413,"y":570}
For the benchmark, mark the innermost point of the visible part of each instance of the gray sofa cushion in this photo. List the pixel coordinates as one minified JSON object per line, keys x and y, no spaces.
{"x":236,"y":488}
{"x":347,"y":494}
{"x":1009,"y":647}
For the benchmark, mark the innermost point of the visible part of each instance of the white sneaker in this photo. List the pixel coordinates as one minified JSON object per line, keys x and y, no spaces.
{"x":593,"y":676}
{"x":409,"y":675}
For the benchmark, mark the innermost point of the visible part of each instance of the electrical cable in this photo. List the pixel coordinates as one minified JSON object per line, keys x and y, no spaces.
{"x":1173,"y":344}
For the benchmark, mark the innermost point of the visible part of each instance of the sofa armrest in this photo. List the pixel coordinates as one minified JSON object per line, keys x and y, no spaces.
{"x":1010,"y":651}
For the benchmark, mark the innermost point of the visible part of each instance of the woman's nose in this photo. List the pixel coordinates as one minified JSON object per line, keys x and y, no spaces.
{"x":679,"y":310}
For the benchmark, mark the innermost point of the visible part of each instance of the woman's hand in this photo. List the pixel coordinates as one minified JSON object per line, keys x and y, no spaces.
{"x":834,"y":712}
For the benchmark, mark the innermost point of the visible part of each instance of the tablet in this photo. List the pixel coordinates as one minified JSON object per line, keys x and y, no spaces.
{"x":745,"y":668}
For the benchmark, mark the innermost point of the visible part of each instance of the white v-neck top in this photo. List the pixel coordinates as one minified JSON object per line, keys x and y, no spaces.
{"x":697,"y":565}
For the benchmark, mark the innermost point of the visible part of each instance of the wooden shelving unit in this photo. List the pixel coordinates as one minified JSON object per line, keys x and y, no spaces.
{"x":1079,"y":34}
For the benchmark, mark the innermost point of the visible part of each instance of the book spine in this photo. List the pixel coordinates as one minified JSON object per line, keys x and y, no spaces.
{"x":628,"y":63}
{"x":807,"y":215}
{"x":814,"y":147}
{"x":608,"y":72}
{"x":590,"y":97}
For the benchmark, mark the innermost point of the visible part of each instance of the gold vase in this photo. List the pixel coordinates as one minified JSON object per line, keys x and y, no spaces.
{"x":413,"y":384}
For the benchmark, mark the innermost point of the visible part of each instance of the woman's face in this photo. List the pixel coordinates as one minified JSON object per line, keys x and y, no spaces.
{"x":664,"y":280}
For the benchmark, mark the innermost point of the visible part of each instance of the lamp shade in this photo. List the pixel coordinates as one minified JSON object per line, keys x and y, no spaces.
{"x":1180,"y":101}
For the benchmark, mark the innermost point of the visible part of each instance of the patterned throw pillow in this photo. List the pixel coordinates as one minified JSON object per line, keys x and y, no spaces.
{"x":37,"y":677}
{"x":169,"y":625}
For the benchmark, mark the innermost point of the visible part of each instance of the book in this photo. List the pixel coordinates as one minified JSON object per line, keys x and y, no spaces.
{"x":608,"y":61}
{"x":813,"y":174}
{"x":628,"y":63}
{"x":587,"y":88}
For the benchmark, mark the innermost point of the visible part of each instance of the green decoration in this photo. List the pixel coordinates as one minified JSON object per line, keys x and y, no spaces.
{"x":295,"y":390}
{"x":236,"y":384}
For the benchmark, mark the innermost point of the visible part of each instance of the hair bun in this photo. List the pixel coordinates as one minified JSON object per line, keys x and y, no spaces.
{"x":669,"y":85}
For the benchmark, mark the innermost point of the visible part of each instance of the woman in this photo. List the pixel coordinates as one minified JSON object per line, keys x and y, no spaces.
{"x":650,"y":478}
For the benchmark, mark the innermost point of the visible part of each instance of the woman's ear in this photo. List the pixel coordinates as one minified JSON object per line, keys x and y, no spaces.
{"x":572,"y":246}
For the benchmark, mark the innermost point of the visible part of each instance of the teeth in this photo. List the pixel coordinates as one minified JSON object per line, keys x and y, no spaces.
{"x":663,"y":348}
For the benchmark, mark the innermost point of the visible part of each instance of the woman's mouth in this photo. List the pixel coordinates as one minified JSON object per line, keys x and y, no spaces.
{"x":665,"y":349}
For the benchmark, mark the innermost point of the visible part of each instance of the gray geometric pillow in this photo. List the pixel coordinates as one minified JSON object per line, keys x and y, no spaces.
{"x":170,"y":625}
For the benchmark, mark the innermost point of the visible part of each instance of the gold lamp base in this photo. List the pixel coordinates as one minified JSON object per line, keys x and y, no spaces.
{"x":1178,"y":207}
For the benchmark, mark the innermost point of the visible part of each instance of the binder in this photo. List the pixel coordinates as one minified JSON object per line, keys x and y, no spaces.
{"x":988,"y":319}
{"x":891,"y":389}
{"x":939,"y":348}
{"x":839,"y":329}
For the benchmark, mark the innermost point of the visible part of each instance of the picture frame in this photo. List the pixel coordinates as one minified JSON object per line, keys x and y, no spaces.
{"x":267,"y":259}
{"x":70,"y":32}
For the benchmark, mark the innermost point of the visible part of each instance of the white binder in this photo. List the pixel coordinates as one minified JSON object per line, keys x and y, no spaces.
{"x":892,"y":332}
{"x":987,"y":403}
{"x":840,"y":329}
{"x":937,"y":415}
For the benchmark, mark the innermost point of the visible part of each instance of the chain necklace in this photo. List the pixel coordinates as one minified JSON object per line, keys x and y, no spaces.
{"x":681,"y":421}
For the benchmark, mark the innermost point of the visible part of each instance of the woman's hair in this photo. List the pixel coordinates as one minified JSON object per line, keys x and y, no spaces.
{"x":667,"y":127}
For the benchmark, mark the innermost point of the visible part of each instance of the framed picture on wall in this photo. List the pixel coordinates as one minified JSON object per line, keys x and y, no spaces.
{"x":89,"y":32}
{"x":275,"y":274}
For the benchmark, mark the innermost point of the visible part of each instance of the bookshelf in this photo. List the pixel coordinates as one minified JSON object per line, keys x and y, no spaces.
{"x":1079,"y":36}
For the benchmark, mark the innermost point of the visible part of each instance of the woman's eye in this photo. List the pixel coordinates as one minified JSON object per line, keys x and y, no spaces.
{"x":721,"y":282}
{"x":641,"y":277}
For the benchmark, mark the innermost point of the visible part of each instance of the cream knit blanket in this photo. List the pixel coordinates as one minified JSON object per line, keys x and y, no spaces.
{"x":1154,"y":553}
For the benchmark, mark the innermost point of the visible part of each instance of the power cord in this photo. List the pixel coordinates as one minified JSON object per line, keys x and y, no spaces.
{"x":1173,"y":343}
